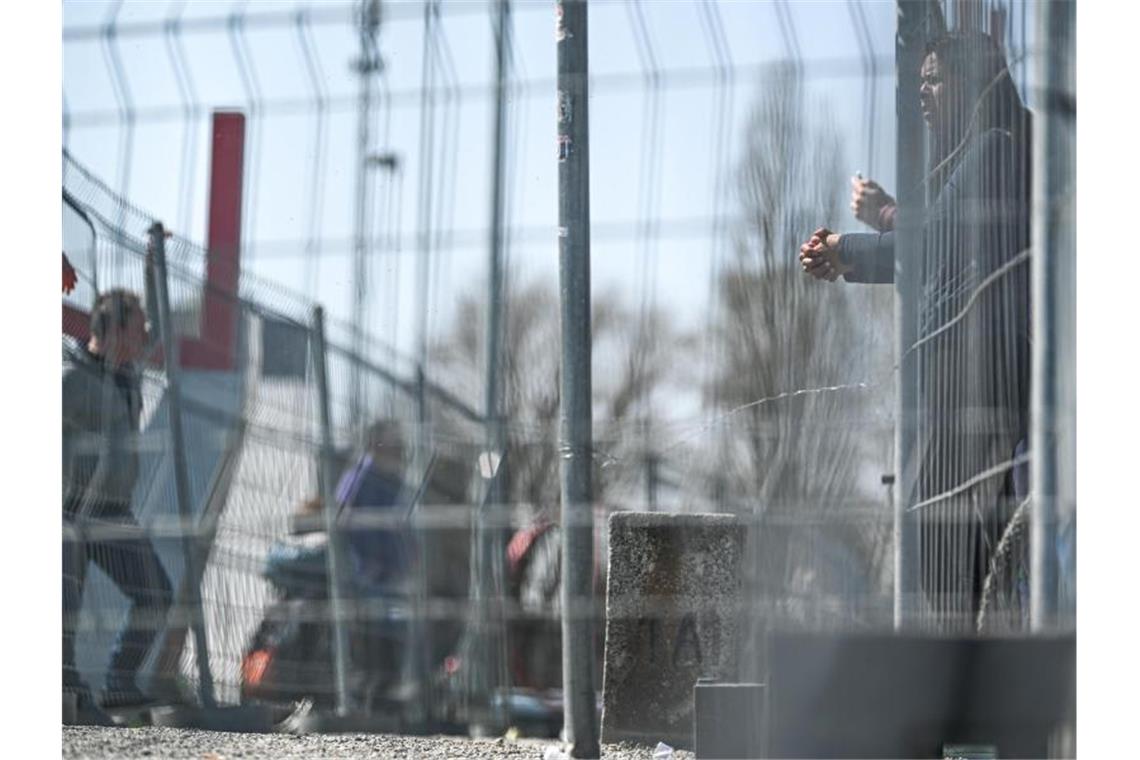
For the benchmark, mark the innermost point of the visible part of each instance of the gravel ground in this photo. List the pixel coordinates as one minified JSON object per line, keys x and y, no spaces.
{"x":89,"y":741}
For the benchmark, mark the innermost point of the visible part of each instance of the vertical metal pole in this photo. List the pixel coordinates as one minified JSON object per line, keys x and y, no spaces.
{"x":490,"y":659}
{"x":422,"y":639}
{"x":911,"y":160}
{"x":426,"y":175}
{"x":181,"y":480}
{"x":328,"y":497}
{"x":1053,"y":420}
{"x":498,"y":192}
{"x":576,"y":434}
{"x":367,"y":64}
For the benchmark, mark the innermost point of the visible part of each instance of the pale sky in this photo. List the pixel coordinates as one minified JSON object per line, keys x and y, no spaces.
{"x":683,"y":171}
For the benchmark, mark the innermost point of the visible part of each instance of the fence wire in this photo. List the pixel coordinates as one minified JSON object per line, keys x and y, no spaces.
{"x":726,"y":380}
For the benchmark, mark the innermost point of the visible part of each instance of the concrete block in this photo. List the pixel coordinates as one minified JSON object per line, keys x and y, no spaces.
{"x":672,"y":608}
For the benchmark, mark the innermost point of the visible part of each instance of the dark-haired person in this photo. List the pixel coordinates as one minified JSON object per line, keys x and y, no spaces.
{"x":102,"y":403}
{"x":371,"y":503}
{"x":374,"y":484}
{"x":973,"y":334}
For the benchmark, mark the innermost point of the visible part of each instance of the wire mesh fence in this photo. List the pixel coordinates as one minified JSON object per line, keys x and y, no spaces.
{"x":253,"y":446}
{"x":965,"y":305}
{"x":873,"y":435}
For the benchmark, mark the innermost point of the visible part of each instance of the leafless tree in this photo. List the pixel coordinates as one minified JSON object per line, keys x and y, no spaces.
{"x":634,"y":359}
{"x":802,"y":464}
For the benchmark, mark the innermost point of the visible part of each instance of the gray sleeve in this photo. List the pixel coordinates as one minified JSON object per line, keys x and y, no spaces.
{"x":971,"y":199}
{"x":76,"y":400}
{"x":75,"y":414}
{"x":871,"y":253}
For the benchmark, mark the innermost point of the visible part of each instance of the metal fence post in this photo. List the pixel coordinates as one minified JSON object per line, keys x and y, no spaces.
{"x":178,"y":451}
{"x":576,"y":444}
{"x":491,"y":657}
{"x":1052,"y":440}
{"x":422,"y":634}
{"x":911,"y":155}
{"x":367,"y":65}
{"x":495,"y":279}
{"x":328,"y":498}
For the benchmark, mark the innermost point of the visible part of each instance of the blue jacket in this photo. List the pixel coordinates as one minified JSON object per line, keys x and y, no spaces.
{"x":378,"y":555}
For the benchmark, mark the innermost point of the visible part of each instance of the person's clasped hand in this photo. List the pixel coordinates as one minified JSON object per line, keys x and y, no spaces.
{"x":868,"y":201}
{"x":819,"y":256}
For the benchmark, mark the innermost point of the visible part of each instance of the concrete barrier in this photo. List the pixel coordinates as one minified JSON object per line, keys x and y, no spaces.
{"x":672,"y":607}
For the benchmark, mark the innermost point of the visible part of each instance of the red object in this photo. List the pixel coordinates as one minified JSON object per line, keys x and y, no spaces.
{"x":76,"y":323}
{"x":253,"y":667}
{"x":69,"y":276}
{"x":521,"y":542}
{"x":216,"y":347}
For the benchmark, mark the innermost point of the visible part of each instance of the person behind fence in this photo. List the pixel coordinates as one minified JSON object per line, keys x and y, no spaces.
{"x":381,"y":556}
{"x":372,"y":494}
{"x":371,"y":489}
{"x":372,"y":501}
{"x":102,"y":403}
{"x":972,"y":350}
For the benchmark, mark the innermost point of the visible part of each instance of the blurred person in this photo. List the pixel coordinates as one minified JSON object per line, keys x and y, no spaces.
{"x":297,"y":563}
{"x":534,"y":568}
{"x":380,"y":556}
{"x":102,"y":404}
{"x":372,"y":509}
{"x":373,"y":494}
{"x":973,"y":335}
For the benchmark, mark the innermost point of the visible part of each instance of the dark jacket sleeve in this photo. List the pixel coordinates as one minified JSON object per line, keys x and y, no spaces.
{"x":871,"y":253}
{"x":75,"y":409}
{"x":973,"y":202}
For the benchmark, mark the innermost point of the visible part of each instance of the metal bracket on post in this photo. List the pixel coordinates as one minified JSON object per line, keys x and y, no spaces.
{"x":328,"y":498}
{"x":181,"y":481}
